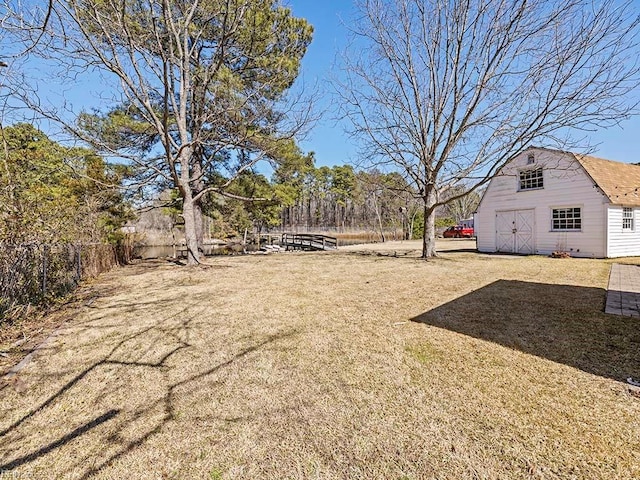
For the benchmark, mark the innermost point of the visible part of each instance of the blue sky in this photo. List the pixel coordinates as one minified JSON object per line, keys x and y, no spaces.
{"x":328,"y":139}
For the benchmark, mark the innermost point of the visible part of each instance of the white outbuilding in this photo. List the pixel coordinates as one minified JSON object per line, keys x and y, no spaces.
{"x":546,"y":201}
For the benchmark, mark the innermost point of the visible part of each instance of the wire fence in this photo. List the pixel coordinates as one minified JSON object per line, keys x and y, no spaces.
{"x":35,"y":274}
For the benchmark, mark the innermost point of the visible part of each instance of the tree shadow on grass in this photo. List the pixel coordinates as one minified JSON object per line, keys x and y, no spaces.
{"x":458,"y":250}
{"x":148,"y":349}
{"x":562,"y":323}
{"x":61,"y":441}
{"x":167,"y":404}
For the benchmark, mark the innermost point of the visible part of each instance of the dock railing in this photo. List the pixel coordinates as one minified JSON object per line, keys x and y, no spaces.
{"x":308,"y":241}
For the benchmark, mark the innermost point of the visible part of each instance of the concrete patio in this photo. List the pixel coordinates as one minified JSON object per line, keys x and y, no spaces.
{"x":623,"y":294}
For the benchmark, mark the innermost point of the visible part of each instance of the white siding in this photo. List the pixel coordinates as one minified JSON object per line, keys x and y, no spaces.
{"x":566,"y":184}
{"x":623,"y":243}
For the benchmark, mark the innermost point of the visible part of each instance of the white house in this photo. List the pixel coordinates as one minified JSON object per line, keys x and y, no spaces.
{"x":548,"y":200}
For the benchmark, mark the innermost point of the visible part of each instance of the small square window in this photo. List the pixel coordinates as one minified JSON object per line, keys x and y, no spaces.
{"x":566,"y":219}
{"x":531,"y":179}
{"x":627,"y":218}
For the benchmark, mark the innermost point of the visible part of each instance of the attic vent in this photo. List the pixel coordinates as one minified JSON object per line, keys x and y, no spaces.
{"x":530,"y":159}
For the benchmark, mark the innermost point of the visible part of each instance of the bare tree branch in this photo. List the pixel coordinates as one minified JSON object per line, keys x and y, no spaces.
{"x":205,"y":83}
{"x":448,"y":91}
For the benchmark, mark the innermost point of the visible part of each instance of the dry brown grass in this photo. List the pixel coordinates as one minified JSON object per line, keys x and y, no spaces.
{"x":335,"y":366}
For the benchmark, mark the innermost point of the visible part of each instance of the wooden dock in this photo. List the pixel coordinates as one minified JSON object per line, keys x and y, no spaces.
{"x":308,"y":241}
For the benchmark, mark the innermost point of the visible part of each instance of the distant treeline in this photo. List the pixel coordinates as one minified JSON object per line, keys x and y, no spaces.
{"x":343,"y":199}
{"x":307,"y":198}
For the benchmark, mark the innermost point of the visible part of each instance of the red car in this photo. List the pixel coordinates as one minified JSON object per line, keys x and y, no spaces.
{"x":458,"y":231}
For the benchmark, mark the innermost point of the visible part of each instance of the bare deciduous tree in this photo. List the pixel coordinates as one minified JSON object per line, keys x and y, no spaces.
{"x":201,"y":86}
{"x":462,"y":208}
{"x":447,"y":91}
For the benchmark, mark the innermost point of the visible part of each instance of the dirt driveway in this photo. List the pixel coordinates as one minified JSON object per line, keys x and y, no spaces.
{"x":355,"y":364}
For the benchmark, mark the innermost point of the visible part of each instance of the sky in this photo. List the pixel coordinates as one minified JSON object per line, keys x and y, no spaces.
{"x":332,"y":145}
{"x":328,"y":139}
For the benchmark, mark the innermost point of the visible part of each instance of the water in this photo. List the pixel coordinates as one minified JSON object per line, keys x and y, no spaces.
{"x":163,"y":251}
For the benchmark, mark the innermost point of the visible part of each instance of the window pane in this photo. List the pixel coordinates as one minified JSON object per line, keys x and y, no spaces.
{"x":566,"y":218}
{"x":531,"y":179}
{"x":627,"y":218}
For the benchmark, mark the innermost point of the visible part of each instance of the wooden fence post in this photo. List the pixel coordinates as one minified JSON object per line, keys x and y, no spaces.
{"x":78,"y":263}
{"x":45,"y":266}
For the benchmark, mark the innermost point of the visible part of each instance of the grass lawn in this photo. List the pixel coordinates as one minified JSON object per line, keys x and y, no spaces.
{"x":365,"y":363}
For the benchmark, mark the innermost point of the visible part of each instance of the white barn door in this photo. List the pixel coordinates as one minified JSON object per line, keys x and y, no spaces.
{"x":524,"y":231}
{"x":505,"y":238}
{"x":514,"y":231}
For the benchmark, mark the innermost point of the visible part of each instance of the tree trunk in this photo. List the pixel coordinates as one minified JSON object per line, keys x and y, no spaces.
{"x":197,"y":187}
{"x":413,"y":220}
{"x":429,"y":234}
{"x":198,"y":219}
{"x":244,"y":241}
{"x":190,"y":229}
{"x":379,"y":218}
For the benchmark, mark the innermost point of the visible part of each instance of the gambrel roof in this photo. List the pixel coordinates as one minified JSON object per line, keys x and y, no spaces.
{"x":620,"y":182}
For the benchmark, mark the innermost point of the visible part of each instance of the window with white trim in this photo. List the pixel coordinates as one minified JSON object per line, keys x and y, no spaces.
{"x":531,"y":179}
{"x":566,"y":218}
{"x":627,"y":218}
